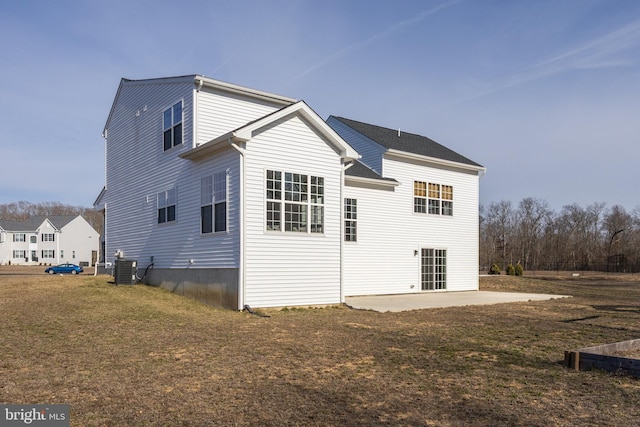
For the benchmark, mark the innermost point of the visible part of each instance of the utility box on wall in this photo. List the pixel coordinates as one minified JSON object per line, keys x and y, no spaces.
{"x":125,"y":271}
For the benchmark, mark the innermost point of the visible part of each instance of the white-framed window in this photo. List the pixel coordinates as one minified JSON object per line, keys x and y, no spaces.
{"x":61,"y":253}
{"x":350,"y":220}
{"x":419,"y":197}
{"x":432,"y":198}
{"x":447,"y":200}
{"x":48,"y":253}
{"x":48,"y":237}
{"x":73,"y":254}
{"x":19,"y":254}
{"x":213,"y":203}
{"x":294,"y":202}
{"x":434,"y":269}
{"x":19,"y":237}
{"x":172,"y":126}
{"x":33,"y":239}
{"x":167,"y":201}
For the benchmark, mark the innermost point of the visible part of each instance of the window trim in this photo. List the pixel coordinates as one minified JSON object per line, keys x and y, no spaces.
{"x":214,"y":196}
{"x":164,"y":205}
{"x":439,"y":275}
{"x":350,"y":219}
{"x":17,"y":252}
{"x":432,"y":198}
{"x":175,"y":129}
{"x":294,"y":202}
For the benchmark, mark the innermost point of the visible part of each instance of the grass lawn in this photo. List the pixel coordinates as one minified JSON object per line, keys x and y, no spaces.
{"x":137,"y":355}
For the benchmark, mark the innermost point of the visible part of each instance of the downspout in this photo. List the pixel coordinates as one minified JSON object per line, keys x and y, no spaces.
{"x":342,"y":171}
{"x":241,"y":219}
{"x":194,"y":115}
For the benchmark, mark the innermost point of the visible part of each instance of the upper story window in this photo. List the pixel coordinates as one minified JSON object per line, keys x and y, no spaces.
{"x":295,"y":202}
{"x":350,"y":220}
{"x":435,"y":199}
{"x":213,"y":203}
{"x":48,"y":237}
{"x":33,"y":239}
{"x":172,"y":126}
{"x":167,"y":206}
{"x":19,"y":237}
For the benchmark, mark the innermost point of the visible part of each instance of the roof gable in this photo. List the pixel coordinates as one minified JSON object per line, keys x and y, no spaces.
{"x":406,"y":142}
{"x":34,"y":223}
{"x":199,"y":81}
{"x":246,"y":132}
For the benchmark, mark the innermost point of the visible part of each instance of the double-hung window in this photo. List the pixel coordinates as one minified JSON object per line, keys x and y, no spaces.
{"x":48,"y":237}
{"x":19,"y":237}
{"x":213,"y":203}
{"x":167,"y":206}
{"x":294,"y":202}
{"x":172,"y":126}
{"x":48,"y":253}
{"x":432,"y":198}
{"x":19,"y":254}
{"x":419,"y":197}
{"x":350,"y":220}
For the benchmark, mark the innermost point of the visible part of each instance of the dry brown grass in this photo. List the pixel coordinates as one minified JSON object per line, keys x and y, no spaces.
{"x":136,"y":355}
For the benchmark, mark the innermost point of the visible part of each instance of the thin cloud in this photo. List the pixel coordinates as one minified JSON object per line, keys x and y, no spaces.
{"x":595,"y":54}
{"x":395,"y":27}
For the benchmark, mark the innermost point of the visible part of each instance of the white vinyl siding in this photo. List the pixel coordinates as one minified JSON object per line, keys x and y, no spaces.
{"x":138,"y":168}
{"x":221,"y":112}
{"x":386,"y":258}
{"x":291,"y":268}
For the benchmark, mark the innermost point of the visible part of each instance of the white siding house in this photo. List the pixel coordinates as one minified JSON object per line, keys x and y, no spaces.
{"x":236,"y":197}
{"x":48,"y":240}
{"x":418,"y":232}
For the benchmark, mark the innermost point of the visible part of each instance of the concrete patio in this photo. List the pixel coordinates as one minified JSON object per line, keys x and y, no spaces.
{"x":419,"y":301}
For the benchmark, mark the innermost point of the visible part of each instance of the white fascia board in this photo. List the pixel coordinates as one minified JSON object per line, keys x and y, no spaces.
{"x":344,"y":149}
{"x":242,"y":90}
{"x":433,"y":160}
{"x":211,"y":147}
{"x":379,"y":182}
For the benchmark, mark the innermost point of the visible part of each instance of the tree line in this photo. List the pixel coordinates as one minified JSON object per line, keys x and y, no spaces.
{"x":577,"y":238}
{"x":20,"y":211}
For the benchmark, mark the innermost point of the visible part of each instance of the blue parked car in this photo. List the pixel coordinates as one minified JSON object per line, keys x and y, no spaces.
{"x":64,"y":268}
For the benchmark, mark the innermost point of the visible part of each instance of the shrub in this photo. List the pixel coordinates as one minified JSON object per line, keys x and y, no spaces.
{"x":519,"y":270}
{"x":495,"y":269}
{"x":511,"y":271}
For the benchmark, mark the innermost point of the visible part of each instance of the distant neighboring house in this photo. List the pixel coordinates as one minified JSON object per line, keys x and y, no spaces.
{"x":236,"y":196}
{"x":48,"y":240}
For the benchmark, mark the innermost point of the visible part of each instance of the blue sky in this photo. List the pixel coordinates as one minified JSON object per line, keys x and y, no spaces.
{"x":544,"y":94}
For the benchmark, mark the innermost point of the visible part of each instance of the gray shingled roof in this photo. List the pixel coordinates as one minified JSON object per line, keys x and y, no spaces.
{"x":360,"y":170}
{"x":407,"y":142}
{"x":32,"y":223}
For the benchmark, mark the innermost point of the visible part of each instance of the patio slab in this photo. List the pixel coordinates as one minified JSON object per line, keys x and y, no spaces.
{"x":419,"y":301}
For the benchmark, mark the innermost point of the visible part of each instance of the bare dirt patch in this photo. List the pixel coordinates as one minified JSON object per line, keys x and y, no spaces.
{"x":135,"y":355}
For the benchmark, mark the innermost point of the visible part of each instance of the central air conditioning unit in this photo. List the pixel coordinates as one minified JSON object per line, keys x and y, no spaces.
{"x":125,"y":271}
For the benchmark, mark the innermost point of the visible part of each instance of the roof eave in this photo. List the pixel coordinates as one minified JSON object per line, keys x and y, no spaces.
{"x":242,"y":90}
{"x":362,"y":180}
{"x":434,"y":160}
{"x":212,"y":147}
